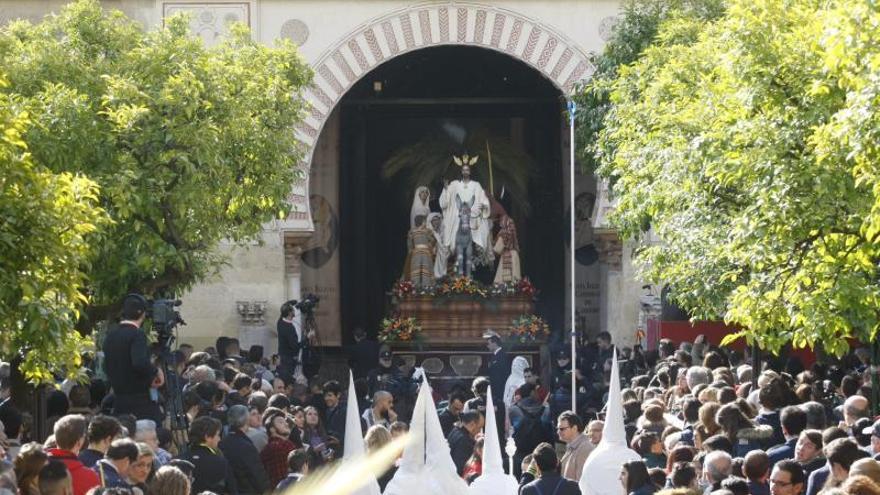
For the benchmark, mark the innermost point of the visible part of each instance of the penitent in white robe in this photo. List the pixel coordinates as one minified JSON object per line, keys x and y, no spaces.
{"x":468,"y":192}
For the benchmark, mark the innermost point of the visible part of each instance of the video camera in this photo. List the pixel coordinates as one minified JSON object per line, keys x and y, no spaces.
{"x":308,"y":304}
{"x":165,"y":319}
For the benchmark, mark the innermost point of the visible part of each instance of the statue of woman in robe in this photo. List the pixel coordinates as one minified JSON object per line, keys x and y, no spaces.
{"x":507,"y":249}
{"x":420,"y":242}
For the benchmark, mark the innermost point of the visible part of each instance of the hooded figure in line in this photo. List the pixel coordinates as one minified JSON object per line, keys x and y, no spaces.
{"x":493,"y":480}
{"x":426,"y":467}
{"x":601,"y":474}
{"x":354,"y":441}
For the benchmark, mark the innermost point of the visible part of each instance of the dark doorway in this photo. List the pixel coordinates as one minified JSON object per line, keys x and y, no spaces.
{"x":447,"y":100}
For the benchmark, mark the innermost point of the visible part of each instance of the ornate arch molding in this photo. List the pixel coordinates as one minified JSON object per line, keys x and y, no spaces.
{"x":433,"y":24}
{"x":418,"y":26}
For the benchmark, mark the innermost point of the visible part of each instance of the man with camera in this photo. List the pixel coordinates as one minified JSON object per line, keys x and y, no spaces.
{"x":291,"y":342}
{"x":128,"y":366}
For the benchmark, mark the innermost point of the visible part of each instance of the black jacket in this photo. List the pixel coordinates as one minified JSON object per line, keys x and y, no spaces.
{"x":550,"y":483}
{"x":334,"y":422}
{"x":447,"y":422}
{"x":244,"y":461}
{"x":212,"y":472}
{"x":461,"y":447}
{"x":498,"y":370}
{"x":128,"y":363}
{"x":782,"y":452}
{"x":289,"y":343}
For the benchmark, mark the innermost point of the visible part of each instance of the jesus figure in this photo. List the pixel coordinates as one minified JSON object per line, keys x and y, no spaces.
{"x":467,"y":191}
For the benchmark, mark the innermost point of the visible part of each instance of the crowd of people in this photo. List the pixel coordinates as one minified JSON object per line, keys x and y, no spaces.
{"x":702,"y":420}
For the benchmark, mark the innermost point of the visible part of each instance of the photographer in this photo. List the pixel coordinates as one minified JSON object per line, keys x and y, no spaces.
{"x":128,"y":365}
{"x":291,"y":342}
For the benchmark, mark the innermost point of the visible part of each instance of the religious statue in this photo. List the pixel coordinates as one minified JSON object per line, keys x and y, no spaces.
{"x":507,"y":249}
{"x":454,"y":196}
{"x":419,"y":205}
{"x":420,"y":242}
{"x":441,"y":255}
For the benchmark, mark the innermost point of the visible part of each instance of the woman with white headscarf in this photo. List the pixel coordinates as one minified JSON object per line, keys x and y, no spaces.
{"x":441,"y":258}
{"x":421,"y":199}
{"x":515,"y":380}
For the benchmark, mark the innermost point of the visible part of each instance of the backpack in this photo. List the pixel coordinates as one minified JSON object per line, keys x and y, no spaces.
{"x":529,"y":432}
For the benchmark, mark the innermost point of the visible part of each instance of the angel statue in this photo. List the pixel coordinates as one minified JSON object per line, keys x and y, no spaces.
{"x":469,"y":192}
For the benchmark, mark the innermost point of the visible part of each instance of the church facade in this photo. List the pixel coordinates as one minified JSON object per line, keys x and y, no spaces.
{"x":347,"y":43}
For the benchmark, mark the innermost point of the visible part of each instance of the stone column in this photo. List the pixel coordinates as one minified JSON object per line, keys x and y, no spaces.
{"x":293,"y":269}
{"x":293,"y":272}
{"x":611,"y":263}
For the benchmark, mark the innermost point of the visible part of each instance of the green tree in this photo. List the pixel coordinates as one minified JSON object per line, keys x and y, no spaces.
{"x":45,"y":223}
{"x":189,"y":145}
{"x":748,"y":144}
{"x":635,"y":30}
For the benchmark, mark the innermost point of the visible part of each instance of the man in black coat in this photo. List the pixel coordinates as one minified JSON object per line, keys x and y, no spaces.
{"x":334,"y":414}
{"x":793,"y":420}
{"x":242,"y":455}
{"x":363,"y":355}
{"x":128,"y":364}
{"x":386,"y":376}
{"x":212,"y":471}
{"x":550,"y":481}
{"x":498,"y":371}
{"x":450,"y":415}
{"x":462,"y":438}
{"x":290,"y":342}
{"x":498,"y":365}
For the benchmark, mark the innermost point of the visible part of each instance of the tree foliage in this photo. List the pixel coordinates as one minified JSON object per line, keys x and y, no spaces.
{"x":749,"y":145}
{"x":45,"y":223}
{"x":635,"y":30}
{"x":188,"y":145}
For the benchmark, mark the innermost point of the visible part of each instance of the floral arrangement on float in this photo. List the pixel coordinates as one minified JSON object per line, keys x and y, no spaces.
{"x":399,"y":329}
{"x":528,"y":329}
{"x":523,"y":287}
{"x":463,"y":286}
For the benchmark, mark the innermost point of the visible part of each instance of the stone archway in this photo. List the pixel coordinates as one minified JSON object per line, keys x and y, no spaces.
{"x":395,"y":33}
{"x":458,"y":23}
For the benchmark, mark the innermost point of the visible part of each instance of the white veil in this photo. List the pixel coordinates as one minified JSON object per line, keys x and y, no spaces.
{"x":492,"y":481}
{"x":515,"y":380}
{"x":419,"y":207}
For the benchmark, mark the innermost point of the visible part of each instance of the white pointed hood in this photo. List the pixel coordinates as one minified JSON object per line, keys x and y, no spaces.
{"x":409,"y":478}
{"x":354,"y":441}
{"x":493,"y":480}
{"x":601,"y":473}
{"x":443,"y":477}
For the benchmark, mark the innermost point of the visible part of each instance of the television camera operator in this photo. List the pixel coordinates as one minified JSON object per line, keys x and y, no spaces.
{"x":294,"y":344}
{"x":131,"y":372}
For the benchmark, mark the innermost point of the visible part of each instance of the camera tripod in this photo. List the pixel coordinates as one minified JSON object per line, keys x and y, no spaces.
{"x":178,"y":422}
